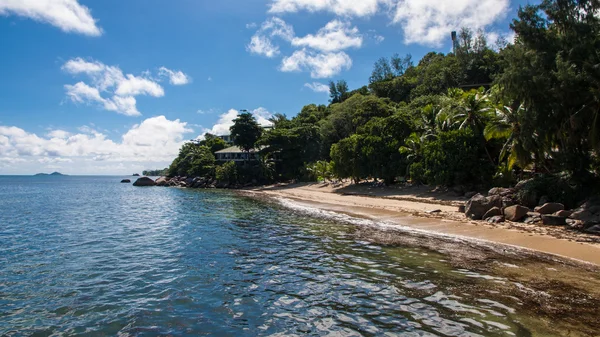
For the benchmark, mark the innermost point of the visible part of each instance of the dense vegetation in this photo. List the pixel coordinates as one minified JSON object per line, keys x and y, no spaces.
{"x":479,"y":116}
{"x":156,"y":173}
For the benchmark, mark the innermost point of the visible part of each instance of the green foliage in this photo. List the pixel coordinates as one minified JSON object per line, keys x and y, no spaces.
{"x":245,"y":131}
{"x":454,"y":158}
{"x":320,"y":171}
{"x":338,"y":92}
{"x":156,"y":173}
{"x":193,"y":160}
{"x":227,"y":173}
{"x":213,"y":142}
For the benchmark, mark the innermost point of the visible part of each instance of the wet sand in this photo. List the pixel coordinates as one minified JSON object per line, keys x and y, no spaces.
{"x":414,"y":213}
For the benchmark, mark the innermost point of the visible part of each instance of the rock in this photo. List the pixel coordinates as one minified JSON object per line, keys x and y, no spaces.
{"x":553,"y":220}
{"x":477,"y":206}
{"x":125,"y":181}
{"x":189,"y":181}
{"x":162,"y":181}
{"x":521,"y":184}
{"x":461,"y":208}
{"x":470,"y":195}
{"x":494,"y":211}
{"x":563,"y":213}
{"x":593,"y":230}
{"x":507,"y":202}
{"x":433,"y":211}
{"x":549,"y":208}
{"x":496,"y":219}
{"x":532,"y":219}
{"x":543,"y":200}
{"x":515,"y":212}
{"x":501,"y":191}
{"x":144,"y":181}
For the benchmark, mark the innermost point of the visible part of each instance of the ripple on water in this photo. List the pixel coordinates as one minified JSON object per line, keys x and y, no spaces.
{"x":90,"y":256}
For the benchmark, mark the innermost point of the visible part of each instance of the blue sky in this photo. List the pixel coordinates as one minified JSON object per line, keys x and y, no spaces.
{"x":115,"y":87}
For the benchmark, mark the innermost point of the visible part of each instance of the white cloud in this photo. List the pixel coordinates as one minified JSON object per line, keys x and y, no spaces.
{"x":430,"y":22}
{"x":176,"y":77}
{"x":225,"y":121}
{"x":320,"y":65}
{"x":317,"y":87}
{"x":68,"y":15}
{"x":153,"y":143}
{"x":251,"y":25}
{"x":262,"y":45}
{"x":113,"y":90}
{"x":261,"y":42}
{"x":358,"y":8}
{"x":336,"y":35}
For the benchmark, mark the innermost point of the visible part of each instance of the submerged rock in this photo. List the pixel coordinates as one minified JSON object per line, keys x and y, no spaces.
{"x":125,"y":181}
{"x":144,"y":181}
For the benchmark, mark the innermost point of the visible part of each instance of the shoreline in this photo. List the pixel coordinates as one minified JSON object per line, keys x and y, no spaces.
{"x":427,"y":216}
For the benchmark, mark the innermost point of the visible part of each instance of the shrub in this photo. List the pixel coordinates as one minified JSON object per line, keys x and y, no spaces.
{"x":454,"y":158}
{"x":227,"y":173}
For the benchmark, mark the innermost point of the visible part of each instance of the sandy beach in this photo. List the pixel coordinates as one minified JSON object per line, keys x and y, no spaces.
{"x":436,"y":213}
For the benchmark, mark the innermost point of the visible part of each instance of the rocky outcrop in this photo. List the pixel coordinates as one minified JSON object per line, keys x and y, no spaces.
{"x":501,"y":191}
{"x":125,"y":181}
{"x":144,"y":181}
{"x":162,"y":181}
{"x":549,"y":208}
{"x":477,"y":206}
{"x":515,"y":212}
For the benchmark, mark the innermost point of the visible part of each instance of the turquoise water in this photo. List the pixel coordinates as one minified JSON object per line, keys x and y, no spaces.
{"x":89,"y":256}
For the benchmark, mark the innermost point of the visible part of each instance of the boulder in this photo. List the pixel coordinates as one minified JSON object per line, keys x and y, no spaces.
{"x":496,"y":219}
{"x":563,"y":213}
{"x":162,"y":181}
{"x":553,"y":220}
{"x":501,"y":191}
{"x":532,"y":219}
{"x":461,"y":208}
{"x":549,"y":208}
{"x":515,"y":212}
{"x":144,"y":181}
{"x":494,"y":211}
{"x":125,"y":181}
{"x":477,"y":206}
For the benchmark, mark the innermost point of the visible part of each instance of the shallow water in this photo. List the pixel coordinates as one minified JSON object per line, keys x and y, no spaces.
{"x":91,"y":256}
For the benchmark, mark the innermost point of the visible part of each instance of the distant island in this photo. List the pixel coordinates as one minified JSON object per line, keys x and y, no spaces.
{"x":51,"y":174}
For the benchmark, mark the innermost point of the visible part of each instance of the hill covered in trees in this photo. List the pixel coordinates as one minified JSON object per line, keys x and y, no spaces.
{"x":477,"y":117}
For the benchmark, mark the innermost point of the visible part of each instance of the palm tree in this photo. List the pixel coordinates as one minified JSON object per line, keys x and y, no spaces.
{"x":508,"y":124}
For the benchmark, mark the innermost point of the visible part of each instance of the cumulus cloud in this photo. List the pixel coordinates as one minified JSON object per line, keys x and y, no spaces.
{"x":340,"y":7}
{"x":261,"y":42}
{"x":317,"y":87}
{"x":225,"y":121}
{"x":425,"y":22}
{"x":336,"y":35}
{"x":430,"y":22}
{"x":153,"y":143}
{"x":176,"y":77}
{"x":320,"y":65}
{"x":113,"y":90}
{"x":68,"y":15}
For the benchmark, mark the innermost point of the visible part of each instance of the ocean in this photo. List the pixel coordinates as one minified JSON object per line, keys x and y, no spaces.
{"x":89,"y":256}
